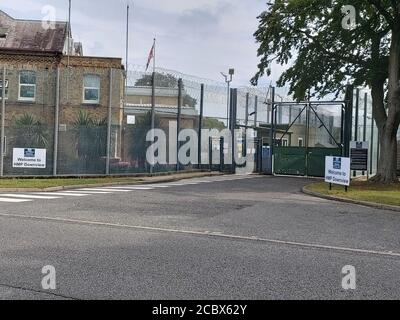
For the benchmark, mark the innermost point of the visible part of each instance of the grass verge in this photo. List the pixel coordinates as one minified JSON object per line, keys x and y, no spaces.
{"x":362,"y":191}
{"x":50,"y":183}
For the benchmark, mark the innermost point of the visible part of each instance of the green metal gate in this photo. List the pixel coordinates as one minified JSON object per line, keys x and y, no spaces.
{"x":302,"y":161}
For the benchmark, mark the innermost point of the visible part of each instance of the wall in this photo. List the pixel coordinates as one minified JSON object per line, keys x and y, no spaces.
{"x":72,"y":72}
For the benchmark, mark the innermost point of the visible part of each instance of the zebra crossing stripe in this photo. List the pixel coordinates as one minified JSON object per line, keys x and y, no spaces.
{"x":14,"y":200}
{"x":28,"y":196}
{"x":63,"y":194}
{"x":89,"y":192}
{"x":133,"y":188}
{"x":105,"y":190}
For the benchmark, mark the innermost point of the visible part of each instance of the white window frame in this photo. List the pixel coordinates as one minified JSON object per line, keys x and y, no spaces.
{"x":26,"y":85}
{"x":1,"y":89}
{"x":285,"y":142}
{"x":91,"y":88}
{"x":302,"y":142}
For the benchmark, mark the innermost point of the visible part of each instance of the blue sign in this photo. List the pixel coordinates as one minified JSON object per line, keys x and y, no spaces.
{"x":337,"y":163}
{"x":29,"y":153}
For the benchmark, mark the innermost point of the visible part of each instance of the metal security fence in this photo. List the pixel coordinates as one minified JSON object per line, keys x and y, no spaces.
{"x":61,"y":120}
{"x":96,"y":119}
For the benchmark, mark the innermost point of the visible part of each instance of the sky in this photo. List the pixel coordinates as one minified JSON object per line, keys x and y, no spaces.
{"x":196,"y":37}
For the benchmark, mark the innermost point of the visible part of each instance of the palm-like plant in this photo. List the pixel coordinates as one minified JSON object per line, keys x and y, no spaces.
{"x":31,"y":132}
{"x":91,"y":136}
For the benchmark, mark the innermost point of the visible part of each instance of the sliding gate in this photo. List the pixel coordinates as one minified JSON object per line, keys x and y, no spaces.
{"x":305,"y":134}
{"x":302,"y":162}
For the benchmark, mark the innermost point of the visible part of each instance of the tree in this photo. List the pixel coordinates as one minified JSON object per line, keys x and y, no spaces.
{"x":166,"y":81}
{"x":326,"y":56}
{"x":212,"y":123}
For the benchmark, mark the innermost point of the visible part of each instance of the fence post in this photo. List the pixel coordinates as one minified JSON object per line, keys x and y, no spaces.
{"x":372,"y":144}
{"x":348,"y":123}
{"x":210,"y":152}
{"x":221,"y":155}
{"x":246,"y":123}
{"x":357,"y":114}
{"x":178,"y":130}
{"x":272,"y":131}
{"x":3,"y":119}
{"x":152,"y":122}
{"x":201,"y":124}
{"x":56,"y":124}
{"x":365,"y":120}
{"x":109,"y":120}
{"x":357,"y":121}
{"x":247,"y":110}
{"x":255,"y":111}
{"x":233,"y":111}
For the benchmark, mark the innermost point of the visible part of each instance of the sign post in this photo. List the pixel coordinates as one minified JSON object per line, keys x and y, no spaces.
{"x":359,"y":155}
{"x":337,"y":171}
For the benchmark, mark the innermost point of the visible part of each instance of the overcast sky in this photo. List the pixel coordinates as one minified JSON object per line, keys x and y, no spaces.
{"x":197,"y":37}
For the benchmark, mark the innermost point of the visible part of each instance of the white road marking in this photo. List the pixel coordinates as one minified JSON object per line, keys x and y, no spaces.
{"x":138,"y":188}
{"x":104,"y":190}
{"x":132,"y":188}
{"x":158,"y":186}
{"x":14,"y":200}
{"x":210,"y":234}
{"x":89,"y":192}
{"x":63,"y":194}
{"x":28,"y":196}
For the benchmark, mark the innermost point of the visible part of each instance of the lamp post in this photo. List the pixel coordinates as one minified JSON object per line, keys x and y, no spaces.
{"x":228,"y":80}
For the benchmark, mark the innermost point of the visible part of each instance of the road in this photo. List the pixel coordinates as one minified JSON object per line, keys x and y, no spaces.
{"x":226,"y":237}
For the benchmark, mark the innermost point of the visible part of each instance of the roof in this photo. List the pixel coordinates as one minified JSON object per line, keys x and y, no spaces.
{"x":147,"y":91}
{"x":131,"y":108}
{"x":29,"y":35}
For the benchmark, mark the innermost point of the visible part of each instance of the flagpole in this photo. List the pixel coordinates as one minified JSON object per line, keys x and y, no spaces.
{"x":127,"y":52}
{"x":153,"y":100}
{"x":154,"y":58}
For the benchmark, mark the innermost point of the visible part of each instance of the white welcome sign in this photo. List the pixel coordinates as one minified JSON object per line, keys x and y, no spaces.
{"x":337,"y":171}
{"x":29,"y":158}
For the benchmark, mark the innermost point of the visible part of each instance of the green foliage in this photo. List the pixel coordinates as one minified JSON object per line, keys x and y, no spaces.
{"x":30,"y":132}
{"x":322,"y":55}
{"x":212,"y":123}
{"x":90,"y":136}
{"x":166,"y":81}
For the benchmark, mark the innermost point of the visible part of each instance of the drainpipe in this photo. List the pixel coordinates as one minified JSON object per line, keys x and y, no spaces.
{"x":3,"y":116}
{"x":56,"y":123}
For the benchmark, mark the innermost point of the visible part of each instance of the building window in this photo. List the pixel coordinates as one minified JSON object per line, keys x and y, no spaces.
{"x":285,"y":142}
{"x":91,"y":89}
{"x":301,"y":142}
{"x":3,"y":33}
{"x":27,"y":86}
{"x":1,"y":89}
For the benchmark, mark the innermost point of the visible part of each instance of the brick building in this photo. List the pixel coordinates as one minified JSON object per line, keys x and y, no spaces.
{"x":38,"y":61}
